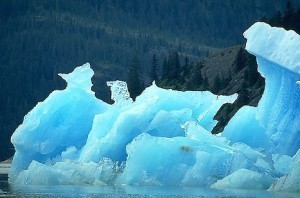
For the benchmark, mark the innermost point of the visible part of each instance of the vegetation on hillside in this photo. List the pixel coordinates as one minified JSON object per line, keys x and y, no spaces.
{"x":241,"y":76}
{"x":289,"y":19}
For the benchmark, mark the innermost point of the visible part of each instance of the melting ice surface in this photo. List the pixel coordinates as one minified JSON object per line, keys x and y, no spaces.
{"x":164,"y":137}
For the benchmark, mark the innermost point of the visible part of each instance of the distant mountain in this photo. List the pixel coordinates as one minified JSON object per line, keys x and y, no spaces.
{"x":40,"y":38}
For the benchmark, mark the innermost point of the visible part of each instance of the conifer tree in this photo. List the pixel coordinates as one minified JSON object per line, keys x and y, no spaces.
{"x":243,"y":97}
{"x":153,"y":69}
{"x":134,"y":79}
{"x":165,"y":69}
{"x":287,"y":19}
{"x":240,"y":61}
{"x":217,"y":84}
{"x":186,"y":65}
{"x":205,"y":83}
{"x":276,"y":20}
{"x":196,"y":79}
{"x":174,"y":65}
{"x":185,"y":70}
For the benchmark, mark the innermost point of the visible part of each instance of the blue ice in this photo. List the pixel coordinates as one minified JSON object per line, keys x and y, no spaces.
{"x":164,"y":137}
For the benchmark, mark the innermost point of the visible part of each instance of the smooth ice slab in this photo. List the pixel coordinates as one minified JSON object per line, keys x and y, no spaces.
{"x":245,"y":179}
{"x":290,"y":181}
{"x":274,"y":44}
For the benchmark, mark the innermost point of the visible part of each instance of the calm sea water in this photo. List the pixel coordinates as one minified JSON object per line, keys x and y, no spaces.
{"x":127,"y":191}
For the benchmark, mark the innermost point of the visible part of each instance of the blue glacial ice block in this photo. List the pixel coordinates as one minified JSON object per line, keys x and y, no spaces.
{"x":244,"y":127}
{"x":199,"y":159}
{"x":204,"y":104}
{"x":172,"y":162}
{"x":62,"y":120}
{"x":290,"y":181}
{"x":156,"y":111}
{"x":275,"y":124}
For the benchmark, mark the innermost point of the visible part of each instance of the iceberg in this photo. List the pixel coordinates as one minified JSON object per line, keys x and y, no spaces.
{"x":63,"y":120}
{"x":273,"y":125}
{"x":164,"y":137}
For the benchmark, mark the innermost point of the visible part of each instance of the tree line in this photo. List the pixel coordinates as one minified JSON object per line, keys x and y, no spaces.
{"x":184,"y":75}
{"x":289,"y":19}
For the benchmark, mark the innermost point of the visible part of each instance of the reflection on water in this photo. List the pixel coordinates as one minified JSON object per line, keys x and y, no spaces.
{"x":126,"y":191}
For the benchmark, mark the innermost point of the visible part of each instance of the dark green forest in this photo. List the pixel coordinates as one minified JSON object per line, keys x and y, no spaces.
{"x":128,"y":40}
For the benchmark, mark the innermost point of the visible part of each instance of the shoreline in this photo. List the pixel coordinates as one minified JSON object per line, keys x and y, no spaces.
{"x":4,"y":168}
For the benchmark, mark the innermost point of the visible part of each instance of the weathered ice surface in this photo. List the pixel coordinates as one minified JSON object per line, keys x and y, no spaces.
{"x":164,"y":137}
{"x":275,"y":124}
{"x":290,"y":181}
{"x":63,"y":120}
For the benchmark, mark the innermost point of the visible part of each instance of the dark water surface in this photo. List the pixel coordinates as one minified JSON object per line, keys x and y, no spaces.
{"x":127,"y":191}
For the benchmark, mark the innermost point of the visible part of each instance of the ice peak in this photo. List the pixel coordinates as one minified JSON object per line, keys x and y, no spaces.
{"x":274,"y":44}
{"x":80,"y":77}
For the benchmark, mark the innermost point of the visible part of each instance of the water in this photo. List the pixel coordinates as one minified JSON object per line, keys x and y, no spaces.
{"x":7,"y":190}
{"x":127,"y":191}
